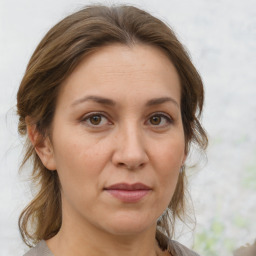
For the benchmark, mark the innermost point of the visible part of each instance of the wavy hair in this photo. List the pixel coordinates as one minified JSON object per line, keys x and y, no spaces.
{"x":56,"y":56}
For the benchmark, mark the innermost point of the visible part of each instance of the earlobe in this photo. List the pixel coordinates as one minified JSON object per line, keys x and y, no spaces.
{"x":184,"y":159}
{"x":42,"y":146}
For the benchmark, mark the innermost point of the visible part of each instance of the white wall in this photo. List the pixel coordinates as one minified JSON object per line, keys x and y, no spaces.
{"x":221,"y":37}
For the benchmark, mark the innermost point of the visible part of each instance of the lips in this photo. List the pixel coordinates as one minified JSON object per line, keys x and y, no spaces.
{"x":128,"y":193}
{"x":125,"y":186}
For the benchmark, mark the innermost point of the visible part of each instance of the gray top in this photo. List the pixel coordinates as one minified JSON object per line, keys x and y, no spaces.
{"x":41,"y":249}
{"x":176,"y":249}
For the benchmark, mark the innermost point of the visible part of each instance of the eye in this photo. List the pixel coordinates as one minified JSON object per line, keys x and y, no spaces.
{"x":160,"y":120}
{"x":95,"y":119}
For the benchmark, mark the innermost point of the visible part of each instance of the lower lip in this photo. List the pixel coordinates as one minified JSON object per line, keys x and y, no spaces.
{"x":128,"y":196}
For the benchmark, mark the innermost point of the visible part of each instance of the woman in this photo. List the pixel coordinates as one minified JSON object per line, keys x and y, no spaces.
{"x":110,"y":103}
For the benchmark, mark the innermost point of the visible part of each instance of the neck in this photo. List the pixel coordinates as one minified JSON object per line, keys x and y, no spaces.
{"x":97,"y":245}
{"x":85,"y":239}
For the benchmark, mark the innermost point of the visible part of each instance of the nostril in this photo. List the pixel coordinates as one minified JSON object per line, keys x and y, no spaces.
{"x":131,"y":167}
{"x":129,"y":158}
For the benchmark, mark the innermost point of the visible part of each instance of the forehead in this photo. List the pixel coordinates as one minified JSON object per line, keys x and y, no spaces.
{"x":124,"y":70}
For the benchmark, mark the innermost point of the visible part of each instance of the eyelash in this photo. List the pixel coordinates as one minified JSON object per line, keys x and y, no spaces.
{"x":86,"y":119}
{"x":167,"y":118}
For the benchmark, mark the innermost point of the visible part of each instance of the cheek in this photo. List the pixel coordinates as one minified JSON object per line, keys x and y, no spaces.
{"x":169,"y":155}
{"x":80,"y":159}
{"x":79,"y":169}
{"x":76,"y":149}
{"x":169,"y":158}
{"x":168,"y":178}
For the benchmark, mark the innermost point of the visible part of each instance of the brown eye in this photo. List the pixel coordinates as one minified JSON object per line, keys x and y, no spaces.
{"x":155,"y":120}
{"x":95,"y":120}
{"x":160,"y":120}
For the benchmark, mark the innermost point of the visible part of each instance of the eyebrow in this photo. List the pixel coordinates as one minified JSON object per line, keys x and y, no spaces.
{"x":100,"y":100}
{"x":158,"y":101}
{"x":109,"y":102}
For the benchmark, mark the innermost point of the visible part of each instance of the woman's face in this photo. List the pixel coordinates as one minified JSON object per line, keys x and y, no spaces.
{"x":117,"y":139}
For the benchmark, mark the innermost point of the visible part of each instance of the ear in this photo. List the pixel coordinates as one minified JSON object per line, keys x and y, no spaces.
{"x":184,"y":158}
{"x":42,"y":146}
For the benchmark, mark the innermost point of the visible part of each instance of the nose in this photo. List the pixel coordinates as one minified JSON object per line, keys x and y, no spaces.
{"x":130,"y":151}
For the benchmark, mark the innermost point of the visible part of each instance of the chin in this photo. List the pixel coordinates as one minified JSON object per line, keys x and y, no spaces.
{"x":130,"y":225}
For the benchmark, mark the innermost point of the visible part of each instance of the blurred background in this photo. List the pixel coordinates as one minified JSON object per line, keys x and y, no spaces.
{"x":220,"y":35}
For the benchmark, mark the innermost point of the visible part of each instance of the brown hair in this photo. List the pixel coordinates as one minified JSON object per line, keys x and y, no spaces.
{"x":60,"y":51}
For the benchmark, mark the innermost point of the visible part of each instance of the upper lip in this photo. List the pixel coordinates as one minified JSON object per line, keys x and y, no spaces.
{"x":126,"y":186}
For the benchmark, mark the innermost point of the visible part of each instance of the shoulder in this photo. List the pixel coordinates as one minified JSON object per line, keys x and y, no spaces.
{"x":173,"y":247}
{"x":41,"y":249}
{"x":177,"y":249}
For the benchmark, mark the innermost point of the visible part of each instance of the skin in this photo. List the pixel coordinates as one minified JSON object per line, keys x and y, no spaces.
{"x":129,"y":142}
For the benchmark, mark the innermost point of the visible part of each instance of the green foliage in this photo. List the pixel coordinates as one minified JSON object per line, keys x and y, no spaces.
{"x":240,"y":221}
{"x":249,"y":179}
{"x":211,"y":242}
